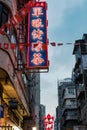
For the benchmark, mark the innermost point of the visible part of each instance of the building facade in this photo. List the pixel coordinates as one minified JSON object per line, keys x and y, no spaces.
{"x":14,"y":77}
{"x":80,"y":78}
{"x":33,"y":90}
{"x":67,"y":104}
{"x":58,"y":118}
{"x":42,"y":113}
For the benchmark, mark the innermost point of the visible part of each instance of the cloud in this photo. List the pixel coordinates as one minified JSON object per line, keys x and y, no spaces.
{"x":58,"y":9}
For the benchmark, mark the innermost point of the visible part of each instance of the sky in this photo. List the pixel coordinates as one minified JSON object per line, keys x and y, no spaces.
{"x":67,"y":22}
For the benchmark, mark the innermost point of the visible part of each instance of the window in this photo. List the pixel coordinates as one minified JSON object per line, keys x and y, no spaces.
{"x":71,"y":91}
{"x":4,"y":14}
{"x":73,"y":102}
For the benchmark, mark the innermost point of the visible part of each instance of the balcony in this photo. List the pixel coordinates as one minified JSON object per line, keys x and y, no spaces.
{"x":69,"y":96}
{"x":68,"y":107}
{"x":71,"y":117}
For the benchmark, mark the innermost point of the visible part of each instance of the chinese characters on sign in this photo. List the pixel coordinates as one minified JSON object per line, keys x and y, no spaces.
{"x":37,"y":37}
{"x":48,"y":122}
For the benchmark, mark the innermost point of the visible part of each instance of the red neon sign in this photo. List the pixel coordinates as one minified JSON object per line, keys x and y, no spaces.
{"x":37,"y":57}
{"x":48,"y":122}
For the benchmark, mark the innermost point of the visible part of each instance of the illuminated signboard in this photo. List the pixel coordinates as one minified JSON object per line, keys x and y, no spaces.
{"x":37,"y":37}
{"x":48,"y":122}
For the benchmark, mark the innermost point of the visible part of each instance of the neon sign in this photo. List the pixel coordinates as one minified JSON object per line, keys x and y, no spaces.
{"x":48,"y":122}
{"x":37,"y":57}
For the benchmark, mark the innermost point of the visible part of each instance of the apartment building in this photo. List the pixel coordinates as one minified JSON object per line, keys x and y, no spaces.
{"x":67,"y":104}
{"x":80,"y":78}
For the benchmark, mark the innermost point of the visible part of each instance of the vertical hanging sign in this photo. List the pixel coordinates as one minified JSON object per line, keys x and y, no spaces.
{"x":48,"y":122}
{"x":37,"y":57}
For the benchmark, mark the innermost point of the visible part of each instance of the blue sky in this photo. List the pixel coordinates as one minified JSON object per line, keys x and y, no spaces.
{"x":67,"y":22}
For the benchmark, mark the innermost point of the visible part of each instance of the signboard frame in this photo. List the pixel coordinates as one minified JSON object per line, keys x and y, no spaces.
{"x":37,"y":56}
